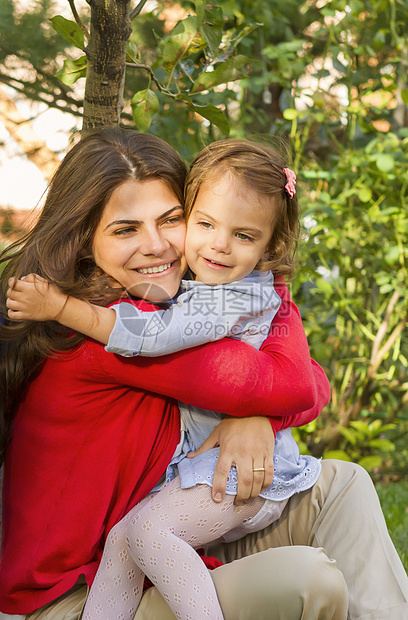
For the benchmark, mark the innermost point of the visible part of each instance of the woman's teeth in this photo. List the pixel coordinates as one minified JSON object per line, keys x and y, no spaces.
{"x":154,"y":269}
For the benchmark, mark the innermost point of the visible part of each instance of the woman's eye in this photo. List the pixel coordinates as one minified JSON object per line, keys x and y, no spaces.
{"x":175,"y":220}
{"x":124,"y":231}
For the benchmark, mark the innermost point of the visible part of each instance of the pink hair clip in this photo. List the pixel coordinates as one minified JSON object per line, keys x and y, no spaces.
{"x":290,"y":186}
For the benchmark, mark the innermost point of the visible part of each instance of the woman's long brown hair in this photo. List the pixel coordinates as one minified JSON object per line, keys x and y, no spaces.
{"x":59,"y":247}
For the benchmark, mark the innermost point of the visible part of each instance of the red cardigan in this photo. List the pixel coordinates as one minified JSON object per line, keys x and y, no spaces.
{"x":92,"y":437}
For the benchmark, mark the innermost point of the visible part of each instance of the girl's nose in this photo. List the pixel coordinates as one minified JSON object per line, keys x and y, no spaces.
{"x":221,"y":242}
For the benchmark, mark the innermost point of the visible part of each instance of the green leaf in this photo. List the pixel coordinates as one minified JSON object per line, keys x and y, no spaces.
{"x":361,"y":426}
{"x":365,"y":194}
{"x":132,"y":52}
{"x":382,"y":444}
{"x":312,"y":174}
{"x":210,"y":112}
{"x":337,"y":454}
{"x":287,"y":50}
{"x":324,"y":286}
{"x":247,"y":30}
{"x":213,"y":15}
{"x":182,"y":44}
{"x":404,"y":95}
{"x":200,"y":8}
{"x":384,"y":427}
{"x":69,"y":30}
{"x":349,"y":434}
{"x":223,"y":73}
{"x":379,"y":40}
{"x":72,"y":70}
{"x":392,"y":255}
{"x":290,"y":114}
{"x":375,"y":427}
{"x":144,"y":105}
{"x":351,"y":285}
{"x":370,"y":462}
{"x":385,"y":162}
{"x":212,"y":26}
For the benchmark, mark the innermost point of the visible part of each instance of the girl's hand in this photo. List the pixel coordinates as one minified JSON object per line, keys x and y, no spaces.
{"x":248,"y":443}
{"x":33,"y":298}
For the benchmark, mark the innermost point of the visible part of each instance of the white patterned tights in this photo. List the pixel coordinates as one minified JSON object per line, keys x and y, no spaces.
{"x":157,"y":539}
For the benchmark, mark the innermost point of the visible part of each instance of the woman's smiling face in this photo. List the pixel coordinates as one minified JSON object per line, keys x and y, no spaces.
{"x":140,"y":238}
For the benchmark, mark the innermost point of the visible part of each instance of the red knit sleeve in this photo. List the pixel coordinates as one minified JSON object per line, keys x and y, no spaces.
{"x":279,"y":381}
{"x":300,"y":371}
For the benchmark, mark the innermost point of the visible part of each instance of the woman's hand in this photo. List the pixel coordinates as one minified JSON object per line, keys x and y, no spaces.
{"x":247,"y":443}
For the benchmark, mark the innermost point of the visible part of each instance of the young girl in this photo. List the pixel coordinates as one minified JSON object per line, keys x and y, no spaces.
{"x":242,"y":223}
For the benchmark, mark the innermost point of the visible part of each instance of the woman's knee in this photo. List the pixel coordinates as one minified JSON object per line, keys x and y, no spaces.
{"x":347,"y":470}
{"x":286,"y":582}
{"x":345,"y":481}
{"x":321,"y":587}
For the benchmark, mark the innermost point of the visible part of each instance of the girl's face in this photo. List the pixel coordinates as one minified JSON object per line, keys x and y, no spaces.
{"x":139,"y":240}
{"x":228,"y":231}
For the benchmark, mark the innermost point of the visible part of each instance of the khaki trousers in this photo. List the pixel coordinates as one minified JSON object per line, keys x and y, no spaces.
{"x":329,"y":552}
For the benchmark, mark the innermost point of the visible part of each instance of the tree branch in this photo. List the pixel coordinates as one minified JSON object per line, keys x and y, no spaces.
{"x":149,"y":70}
{"x":78,"y":19}
{"x":31,"y":89}
{"x":137,"y":10}
{"x":24,"y":88}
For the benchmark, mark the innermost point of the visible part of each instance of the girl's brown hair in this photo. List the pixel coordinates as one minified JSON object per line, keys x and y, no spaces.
{"x":59,"y":246}
{"x":260,"y":168}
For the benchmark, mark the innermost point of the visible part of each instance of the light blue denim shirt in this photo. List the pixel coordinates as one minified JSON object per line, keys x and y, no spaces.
{"x":200,"y":314}
{"x":242,"y":310}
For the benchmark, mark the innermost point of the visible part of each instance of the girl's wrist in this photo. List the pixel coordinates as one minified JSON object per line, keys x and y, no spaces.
{"x":66,"y":310}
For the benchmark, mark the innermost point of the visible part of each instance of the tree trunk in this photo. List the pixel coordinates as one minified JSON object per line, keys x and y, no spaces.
{"x":106,"y":54}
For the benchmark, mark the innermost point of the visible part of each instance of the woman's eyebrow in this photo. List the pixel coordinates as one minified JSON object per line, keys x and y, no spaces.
{"x":121,"y":222}
{"x":169,"y":212}
{"x":139,"y":222}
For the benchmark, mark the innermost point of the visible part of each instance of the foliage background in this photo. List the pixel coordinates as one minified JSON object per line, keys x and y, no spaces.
{"x":329,"y":77}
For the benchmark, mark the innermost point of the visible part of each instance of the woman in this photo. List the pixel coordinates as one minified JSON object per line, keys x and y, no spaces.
{"x":92,"y":433}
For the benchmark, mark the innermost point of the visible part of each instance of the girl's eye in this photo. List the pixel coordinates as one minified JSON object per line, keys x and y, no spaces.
{"x":244,"y":237}
{"x":205,"y":224}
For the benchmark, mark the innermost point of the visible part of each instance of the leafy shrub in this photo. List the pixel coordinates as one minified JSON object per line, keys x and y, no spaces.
{"x":353,"y":288}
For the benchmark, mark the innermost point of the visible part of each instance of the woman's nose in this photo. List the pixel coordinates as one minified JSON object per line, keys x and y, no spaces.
{"x":154,"y":243}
